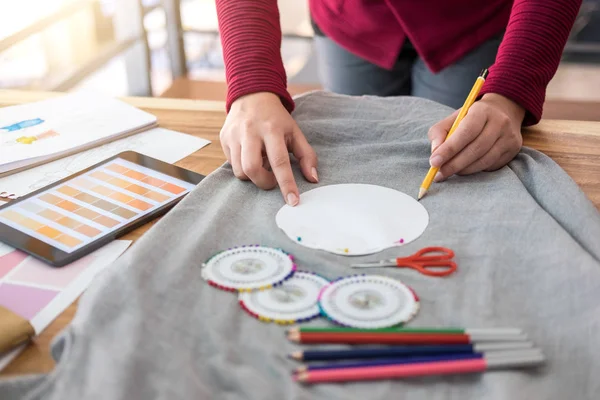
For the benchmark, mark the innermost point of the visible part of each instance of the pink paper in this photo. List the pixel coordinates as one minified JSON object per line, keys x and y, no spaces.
{"x":10,"y":260}
{"x":25,"y":301}
{"x":35,"y":271}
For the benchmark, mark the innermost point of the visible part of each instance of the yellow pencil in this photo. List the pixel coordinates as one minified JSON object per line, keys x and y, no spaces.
{"x":465,"y":108}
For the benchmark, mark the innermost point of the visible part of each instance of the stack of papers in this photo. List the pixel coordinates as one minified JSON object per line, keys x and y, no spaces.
{"x":163,"y":144}
{"x":39,"y":293}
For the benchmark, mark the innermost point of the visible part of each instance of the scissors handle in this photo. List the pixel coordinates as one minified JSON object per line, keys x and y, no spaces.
{"x":433,"y":254}
{"x":434,"y":268}
{"x":432,"y":265}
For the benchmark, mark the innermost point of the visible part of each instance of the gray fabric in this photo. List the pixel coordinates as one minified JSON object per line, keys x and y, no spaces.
{"x":342,"y":72}
{"x":527,"y":246}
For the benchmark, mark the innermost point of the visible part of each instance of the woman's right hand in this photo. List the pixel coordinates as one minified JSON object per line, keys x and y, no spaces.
{"x":257,"y":137}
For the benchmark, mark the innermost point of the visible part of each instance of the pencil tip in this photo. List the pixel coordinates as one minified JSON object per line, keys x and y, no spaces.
{"x":297,"y":355}
{"x":293,"y":336}
{"x":301,"y":377}
{"x":300,"y":369}
{"x":422,"y":192}
{"x":293,"y":330}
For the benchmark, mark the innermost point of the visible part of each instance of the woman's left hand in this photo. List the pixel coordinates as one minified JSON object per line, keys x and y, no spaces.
{"x":486,"y":139}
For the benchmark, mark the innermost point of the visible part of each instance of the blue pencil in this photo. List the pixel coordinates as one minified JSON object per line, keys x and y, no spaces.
{"x":404,"y":351}
{"x":391,"y":361}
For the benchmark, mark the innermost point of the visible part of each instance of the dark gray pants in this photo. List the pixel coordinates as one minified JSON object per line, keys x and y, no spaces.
{"x":343,"y":72}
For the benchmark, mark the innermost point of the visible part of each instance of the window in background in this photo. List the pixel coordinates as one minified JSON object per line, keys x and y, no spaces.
{"x":584,"y":42}
{"x":102,"y":44}
{"x":42,"y":58}
{"x":578,"y":76}
{"x":73,"y":44}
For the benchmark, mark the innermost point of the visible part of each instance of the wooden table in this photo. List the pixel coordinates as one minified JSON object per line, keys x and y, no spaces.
{"x":574,"y":145}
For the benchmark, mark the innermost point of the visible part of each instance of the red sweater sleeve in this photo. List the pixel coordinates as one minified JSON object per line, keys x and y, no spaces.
{"x":530,"y":52}
{"x":251,"y":38}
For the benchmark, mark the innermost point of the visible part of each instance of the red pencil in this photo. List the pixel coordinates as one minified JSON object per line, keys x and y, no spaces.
{"x":515,"y":360}
{"x":397,"y":338}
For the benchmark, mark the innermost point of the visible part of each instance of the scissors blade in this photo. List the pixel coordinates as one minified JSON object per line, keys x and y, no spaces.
{"x":375,"y":264}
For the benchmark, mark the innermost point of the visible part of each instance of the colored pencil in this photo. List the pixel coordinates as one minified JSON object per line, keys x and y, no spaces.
{"x":387,"y":337}
{"x":404,"y":351}
{"x":462,"y":113}
{"x":491,"y":361}
{"x":388,"y":361}
{"x":412,"y":360}
{"x":448,"y":330}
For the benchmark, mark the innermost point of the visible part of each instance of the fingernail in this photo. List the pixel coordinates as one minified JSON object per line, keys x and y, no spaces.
{"x":438,"y":177}
{"x":434,"y":145}
{"x":436,"y":161}
{"x":314,"y":174}
{"x":292,"y":199}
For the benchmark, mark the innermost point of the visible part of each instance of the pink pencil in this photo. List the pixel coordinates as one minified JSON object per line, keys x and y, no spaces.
{"x":516,"y":359}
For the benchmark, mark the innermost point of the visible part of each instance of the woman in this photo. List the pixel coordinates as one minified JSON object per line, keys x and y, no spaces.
{"x":428,"y":48}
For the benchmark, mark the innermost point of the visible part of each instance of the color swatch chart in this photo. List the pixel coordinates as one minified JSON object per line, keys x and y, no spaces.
{"x":87,"y":207}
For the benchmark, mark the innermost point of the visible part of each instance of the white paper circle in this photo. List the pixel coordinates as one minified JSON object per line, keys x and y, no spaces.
{"x":368,"y":302}
{"x":248,"y":268}
{"x":295,"y":300}
{"x":353,"y":219}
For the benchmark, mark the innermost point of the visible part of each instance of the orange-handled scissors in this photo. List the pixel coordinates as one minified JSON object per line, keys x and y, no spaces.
{"x":432,"y":261}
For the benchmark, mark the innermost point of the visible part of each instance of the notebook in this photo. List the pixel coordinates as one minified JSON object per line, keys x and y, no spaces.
{"x":36,"y":133}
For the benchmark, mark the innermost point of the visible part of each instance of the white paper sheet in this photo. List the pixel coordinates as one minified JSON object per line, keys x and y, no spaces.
{"x":353,"y":219}
{"x":70,"y":284}
{"x":163,"y":144}
{"x":40,"y":130}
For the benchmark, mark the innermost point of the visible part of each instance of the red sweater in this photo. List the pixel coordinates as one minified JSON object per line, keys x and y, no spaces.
{"x":442,"y":31}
